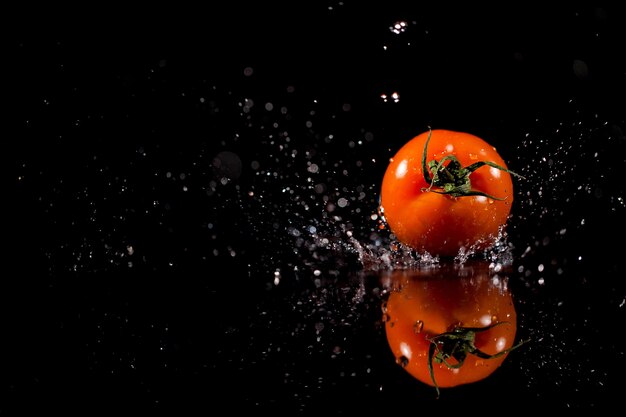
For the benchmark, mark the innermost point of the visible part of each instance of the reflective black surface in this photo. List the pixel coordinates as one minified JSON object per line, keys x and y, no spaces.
{"x":192,"y":200}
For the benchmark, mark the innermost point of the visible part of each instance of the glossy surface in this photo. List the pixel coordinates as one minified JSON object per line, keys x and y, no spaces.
{"x":426,"y":303}
{"x":441,"y":224}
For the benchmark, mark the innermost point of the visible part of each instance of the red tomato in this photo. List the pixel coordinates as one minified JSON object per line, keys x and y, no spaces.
{"x":449,"y":326}
{"x":460,"y":201}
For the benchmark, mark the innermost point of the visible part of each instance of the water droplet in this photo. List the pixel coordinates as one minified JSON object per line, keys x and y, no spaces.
{"x":418,"y":326}
{"x":398,"y":27}
{"x":383,"y":307}
{"x":403,"y":361}
{"x":386,"y":317}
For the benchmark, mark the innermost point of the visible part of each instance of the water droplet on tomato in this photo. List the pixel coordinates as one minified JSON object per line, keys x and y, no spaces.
{"x":386,"y":318}
{"x":403,"y":361}
{"x":418,"y":326}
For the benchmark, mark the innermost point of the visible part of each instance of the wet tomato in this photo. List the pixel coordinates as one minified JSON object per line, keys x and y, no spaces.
{"x":446,"y":191}
{"x":449,"y":326}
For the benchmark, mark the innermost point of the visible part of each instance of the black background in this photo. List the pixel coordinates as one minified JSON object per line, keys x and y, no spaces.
{"x":117,"y":125}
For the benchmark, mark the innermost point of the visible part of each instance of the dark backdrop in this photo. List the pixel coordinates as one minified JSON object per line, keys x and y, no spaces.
{"x":167,"y":166}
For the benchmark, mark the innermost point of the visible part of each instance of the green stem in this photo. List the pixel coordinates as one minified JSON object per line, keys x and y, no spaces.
{"x":453,"y":179}
{"x":457,"y":344}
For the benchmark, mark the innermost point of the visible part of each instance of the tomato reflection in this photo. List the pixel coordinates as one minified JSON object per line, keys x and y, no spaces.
{"x":450,"y":325}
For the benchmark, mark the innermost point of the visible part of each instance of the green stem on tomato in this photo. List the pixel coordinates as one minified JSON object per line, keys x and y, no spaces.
{"x":457,"y":344}
{"x":454,"y":179}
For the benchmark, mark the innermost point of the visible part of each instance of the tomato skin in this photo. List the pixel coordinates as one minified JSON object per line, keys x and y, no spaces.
{"x":428,"y":303}
{"x":442,"y":224}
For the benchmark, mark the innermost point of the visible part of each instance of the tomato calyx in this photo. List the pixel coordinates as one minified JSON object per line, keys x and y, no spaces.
{"x":455,"y":345}
{"x":453,"y":179}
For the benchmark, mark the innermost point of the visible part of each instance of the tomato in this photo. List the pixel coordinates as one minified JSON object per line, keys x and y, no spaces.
{"x":446,"y":191}
{"x":449,"y":326}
